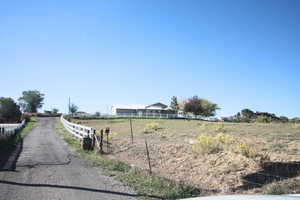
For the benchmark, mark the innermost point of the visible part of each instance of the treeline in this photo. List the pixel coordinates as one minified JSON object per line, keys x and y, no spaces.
{"x":247,"y":115}
{"x":29,"y":102}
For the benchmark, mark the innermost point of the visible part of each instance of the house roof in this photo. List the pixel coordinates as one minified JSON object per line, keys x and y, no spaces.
{"x":156,"y":106}
{"x":81,"y":112}
{"x":129,"y":106}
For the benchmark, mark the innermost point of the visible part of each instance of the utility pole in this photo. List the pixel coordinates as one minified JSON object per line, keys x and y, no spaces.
{"x":69,"y":105}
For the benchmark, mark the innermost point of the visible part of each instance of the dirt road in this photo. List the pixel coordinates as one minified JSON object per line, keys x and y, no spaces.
{"x":46,"y":169}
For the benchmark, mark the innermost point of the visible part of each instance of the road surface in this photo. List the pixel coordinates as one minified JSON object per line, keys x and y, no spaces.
{"x":250,"y":197}
{"x":46,"y":169}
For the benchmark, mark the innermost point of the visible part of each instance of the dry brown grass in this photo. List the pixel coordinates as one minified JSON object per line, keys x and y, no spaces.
{"x":172,"y":155}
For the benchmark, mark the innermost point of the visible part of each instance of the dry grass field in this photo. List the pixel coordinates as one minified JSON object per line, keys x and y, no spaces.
{"x":220,"y":157}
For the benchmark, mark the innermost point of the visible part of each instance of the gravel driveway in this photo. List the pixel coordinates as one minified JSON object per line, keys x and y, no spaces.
{"x":46,"y":169}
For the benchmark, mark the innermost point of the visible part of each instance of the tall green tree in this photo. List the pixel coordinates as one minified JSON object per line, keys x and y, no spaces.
{"x":55,"y":110}
{"x":31,"y":101}
{"x":9,"y":110}
{"x":201,"y":107}
{"x":97,"y":114}
{"x":73,"y":109}
{"x":247,"y":113}
{"x":284,"y":119}
{"x":238,"y":116}
{"x":174,"y":104}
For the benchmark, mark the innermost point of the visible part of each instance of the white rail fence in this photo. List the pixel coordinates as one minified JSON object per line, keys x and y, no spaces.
{"x":78,"y":131}
{"x":148,"y":115}
{"x":11,"y":129}
{"x":158,"y":115}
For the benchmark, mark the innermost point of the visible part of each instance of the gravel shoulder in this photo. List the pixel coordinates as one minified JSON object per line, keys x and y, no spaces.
{"x":46,"y":169}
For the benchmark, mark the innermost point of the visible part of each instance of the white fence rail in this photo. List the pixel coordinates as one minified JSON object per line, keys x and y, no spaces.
{"x":148,"y":115}
{"x":158,"y":115}
{"x":11,"y":129}
{"x":77,"y":130}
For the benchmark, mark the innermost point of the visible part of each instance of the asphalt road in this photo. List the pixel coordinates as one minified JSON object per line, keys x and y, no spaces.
{"x":249,"y":197}
{"x":46,"y":169}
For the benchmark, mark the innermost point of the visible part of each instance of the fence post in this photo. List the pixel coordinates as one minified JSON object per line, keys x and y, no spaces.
{"x":86,"y":143}
{"x":130,"y":120}
{"x":101,"y":141}
{"x":148,"y":156}
{"x":107,"y":133}
{"x":93,"y":138}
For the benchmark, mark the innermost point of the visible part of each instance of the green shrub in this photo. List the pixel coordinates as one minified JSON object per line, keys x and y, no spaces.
{"x":262,"y":119}
{"x":9,"y":111}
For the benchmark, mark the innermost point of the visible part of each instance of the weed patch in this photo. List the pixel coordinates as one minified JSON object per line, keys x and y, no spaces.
{"x":276,"y":147}
{"x":151,"y":127}
{"x":209,"y":144}
{"x":283,"y":187}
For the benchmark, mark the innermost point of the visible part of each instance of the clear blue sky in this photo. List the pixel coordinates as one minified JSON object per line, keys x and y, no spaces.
{"x":237,"y":54}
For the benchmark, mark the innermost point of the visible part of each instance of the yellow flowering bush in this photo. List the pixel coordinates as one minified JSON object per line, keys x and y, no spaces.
{"x":224,"y":139}
{"x":110,"y":135}
{"x":205,"y":144}
{"x":151,"y":127}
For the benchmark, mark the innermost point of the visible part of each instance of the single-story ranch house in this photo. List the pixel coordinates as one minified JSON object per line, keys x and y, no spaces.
{"x":157,"y":108}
